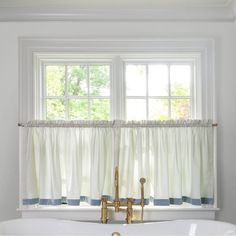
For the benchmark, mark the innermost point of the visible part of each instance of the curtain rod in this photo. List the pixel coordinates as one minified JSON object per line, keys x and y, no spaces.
{"x":119,"y":123}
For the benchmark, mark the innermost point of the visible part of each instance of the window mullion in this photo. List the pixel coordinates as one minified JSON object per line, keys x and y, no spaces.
{"x":88,"y":86}
{"x":113,"y":89}
{"x":147,"y":97}
{"x":169,"y":92}
{"x":111,"y":74}
{"x":117,"y":89}
{"x":44,"y":89}
{"x":122,"y":69}
{"x":192,"y":91}
{"x":66,"y":100}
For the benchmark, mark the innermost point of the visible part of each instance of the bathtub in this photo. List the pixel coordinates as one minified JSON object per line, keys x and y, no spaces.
{"x":67,"y":227}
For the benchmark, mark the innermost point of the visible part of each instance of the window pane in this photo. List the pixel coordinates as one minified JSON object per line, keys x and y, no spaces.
{"x":136,"y":109}
{"x":180,"y":109}
{"x":158,"y":80}
{"x":99,"y":80}
{"x":180,"y":79}
{"x":55,"y":109}
{"x":135,"y":80}
{"x":78,"y":109}
{"x":158,"y":109}
{"x":77,"y":80}
{"x":55,"y":80}
{"x":100,"y":109}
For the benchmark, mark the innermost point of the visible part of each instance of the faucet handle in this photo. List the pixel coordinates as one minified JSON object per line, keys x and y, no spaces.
{"x":104,"y":214}
{"x":142,"y":181}
{"x":129,"y":217}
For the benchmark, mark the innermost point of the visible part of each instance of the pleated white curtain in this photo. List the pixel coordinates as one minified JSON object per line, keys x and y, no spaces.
{"x":69,"y":163}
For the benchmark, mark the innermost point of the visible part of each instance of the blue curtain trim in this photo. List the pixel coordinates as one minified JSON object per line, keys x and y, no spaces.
{"x":75,"y":202}
{"x":30,"y":201}
{"x":184,"y":199}
{"x":97,"y":202}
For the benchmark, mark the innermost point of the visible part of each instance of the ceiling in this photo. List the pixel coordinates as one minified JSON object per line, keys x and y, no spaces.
{"x":121,"y":4}
{"x":117,"y":10}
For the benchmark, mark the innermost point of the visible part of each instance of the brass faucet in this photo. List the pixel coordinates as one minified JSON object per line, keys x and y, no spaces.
{"x":117,"y":204}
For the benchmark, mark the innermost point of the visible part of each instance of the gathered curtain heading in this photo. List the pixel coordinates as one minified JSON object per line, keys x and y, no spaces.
{"x":118,"y":123}
{"x":77,"y":164}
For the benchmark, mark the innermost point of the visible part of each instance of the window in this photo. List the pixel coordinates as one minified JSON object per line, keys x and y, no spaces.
{"x":193,"y":59}
{"x":76,"y":91}
{"x":161,"y":91}
{"x":81,"y":90}
{"x":106,"y":79}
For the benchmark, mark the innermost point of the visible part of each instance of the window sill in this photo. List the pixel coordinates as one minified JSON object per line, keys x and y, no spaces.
{"x":86,"y":213}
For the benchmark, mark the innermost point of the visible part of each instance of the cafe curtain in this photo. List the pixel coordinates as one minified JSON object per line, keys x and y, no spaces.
{"x":74,"y":162}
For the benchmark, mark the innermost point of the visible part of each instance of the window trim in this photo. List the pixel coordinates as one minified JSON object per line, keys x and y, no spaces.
{"x":32,"y":50}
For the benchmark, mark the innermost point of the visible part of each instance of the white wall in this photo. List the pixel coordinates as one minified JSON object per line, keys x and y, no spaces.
{"x":225,"y":36}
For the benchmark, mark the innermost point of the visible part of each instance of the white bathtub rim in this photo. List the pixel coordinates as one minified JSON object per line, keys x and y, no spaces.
{"x":52,"y":226}
{"x":118,"y":223}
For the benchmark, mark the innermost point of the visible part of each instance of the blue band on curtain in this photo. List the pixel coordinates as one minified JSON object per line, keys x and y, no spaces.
{"x":75,"y":202}
{"x":209,"y":201}
{"x":31,"y":201}
{"x":136,"y":201}
{"x":161,"y":202}
{"x":53,"y":202}
{"x":180,"y":201}
{"x":72,"y":202}
{"x":97,"y":202}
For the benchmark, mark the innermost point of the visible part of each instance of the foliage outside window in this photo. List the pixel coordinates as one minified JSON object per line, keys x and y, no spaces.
{"x":83,"y":91}
{"x":77,"y":92}
{"x":160,"y":91}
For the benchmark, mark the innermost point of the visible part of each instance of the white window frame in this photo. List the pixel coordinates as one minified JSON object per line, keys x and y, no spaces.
{"x":117,"y":81}
{"x":32,"y":52}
